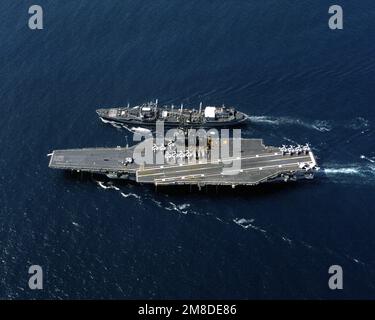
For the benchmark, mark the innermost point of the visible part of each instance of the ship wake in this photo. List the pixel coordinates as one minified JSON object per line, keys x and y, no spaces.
{"x":358,"y":123}
{"x":318,"y":125}
{"x":353,"y":173}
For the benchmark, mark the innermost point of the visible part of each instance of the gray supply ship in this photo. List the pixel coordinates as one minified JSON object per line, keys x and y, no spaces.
{"x":148,"y":113}
{"x":258,"y":164}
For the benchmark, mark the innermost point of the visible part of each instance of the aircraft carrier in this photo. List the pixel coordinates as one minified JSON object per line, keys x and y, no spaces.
{"x":257,"y":164}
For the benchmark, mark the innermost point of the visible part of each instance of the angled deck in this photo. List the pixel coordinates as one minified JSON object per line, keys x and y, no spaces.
{"x":96,"y":160}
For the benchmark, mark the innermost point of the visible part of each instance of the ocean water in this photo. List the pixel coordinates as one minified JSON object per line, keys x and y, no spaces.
{"x":275,"y":60}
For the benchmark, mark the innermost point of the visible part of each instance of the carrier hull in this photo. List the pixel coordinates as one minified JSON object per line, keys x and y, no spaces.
{"x":257,"y":164}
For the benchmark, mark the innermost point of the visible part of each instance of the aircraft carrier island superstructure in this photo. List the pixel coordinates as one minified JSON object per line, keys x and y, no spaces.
{"x":258,"y":164}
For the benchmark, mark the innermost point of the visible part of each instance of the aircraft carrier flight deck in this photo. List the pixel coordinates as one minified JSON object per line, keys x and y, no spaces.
{"x":257,"y":164}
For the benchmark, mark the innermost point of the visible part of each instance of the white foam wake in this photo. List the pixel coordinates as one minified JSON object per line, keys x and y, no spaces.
{"x":140,"y":130}
{"x":358,"y":123}
{"x":247,"y":223}
{"x":319,"y":125}
{"x":127,"y":195}
{"x":102,"y":185}
{"x":179,"y":208}
{"x":342,"y":171}
{"x":353,"y":174}
{"x":367,"y":158}
{"x":110,"y":185}
{"x":113,"y":123}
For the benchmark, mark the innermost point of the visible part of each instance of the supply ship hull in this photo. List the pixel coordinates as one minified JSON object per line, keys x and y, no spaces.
{"x":148,"y":114}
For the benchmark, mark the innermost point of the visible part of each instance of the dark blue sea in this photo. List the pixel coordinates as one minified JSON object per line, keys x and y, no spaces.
{"x":275,"y":60}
